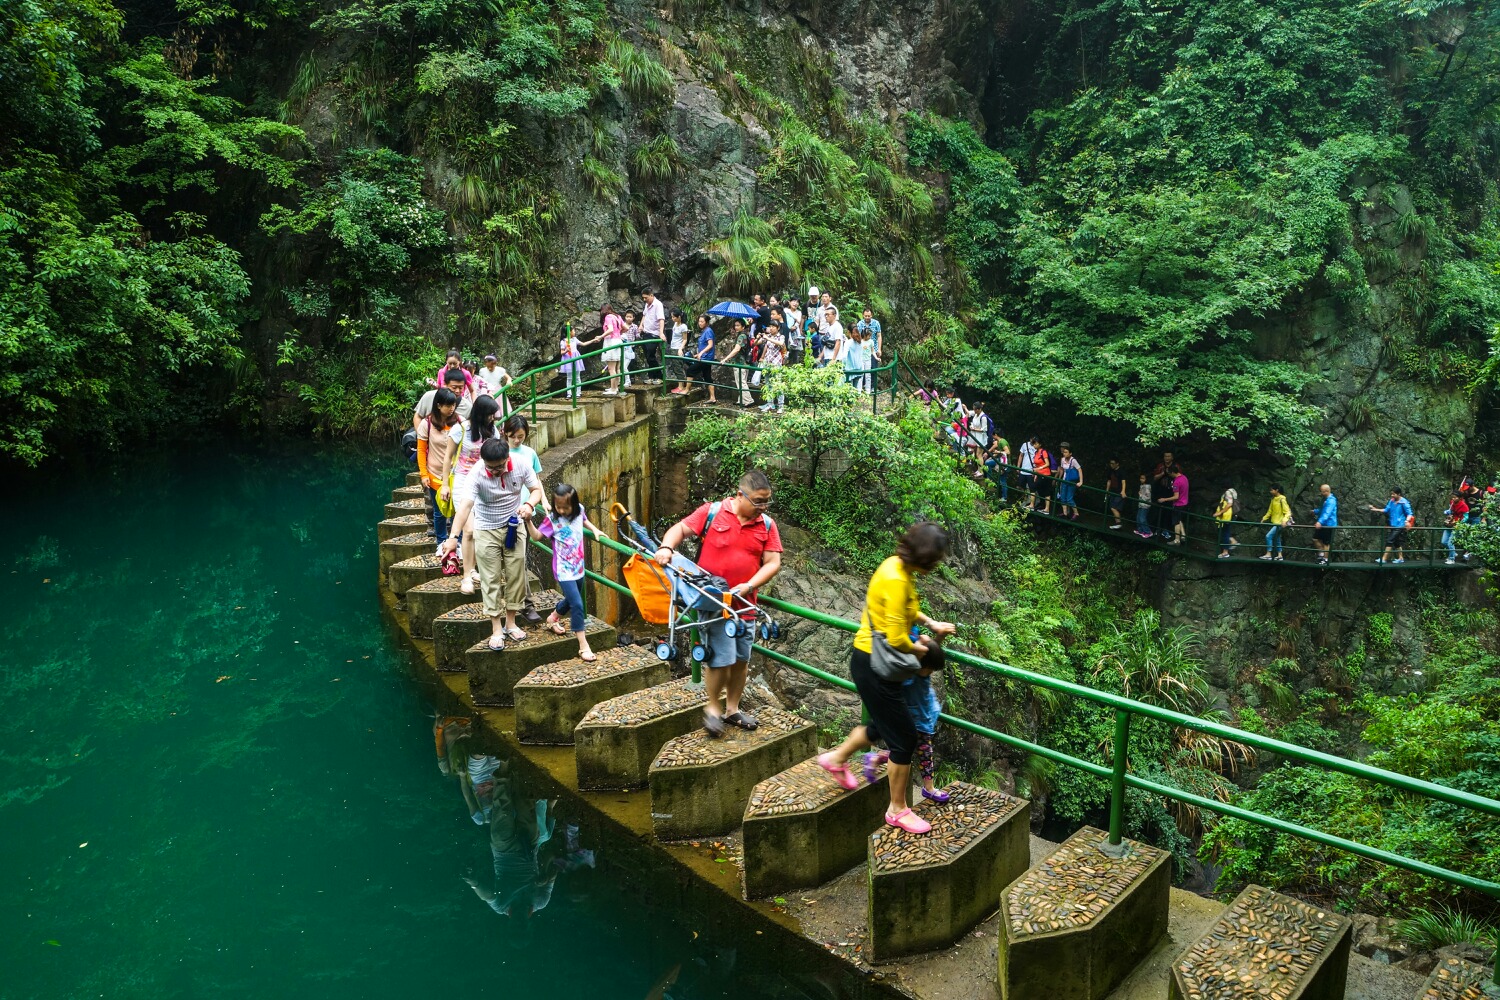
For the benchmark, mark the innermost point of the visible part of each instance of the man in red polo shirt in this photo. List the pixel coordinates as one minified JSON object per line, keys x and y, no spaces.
{"x":743,"y":546}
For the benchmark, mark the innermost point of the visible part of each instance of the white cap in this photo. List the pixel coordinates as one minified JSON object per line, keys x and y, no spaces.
{"x":813,"y":293}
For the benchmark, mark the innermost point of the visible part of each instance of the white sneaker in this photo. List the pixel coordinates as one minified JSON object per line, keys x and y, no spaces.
{"x":1397,"y":562}
{"x":467,"y":587}
{"x":1449,"y":562}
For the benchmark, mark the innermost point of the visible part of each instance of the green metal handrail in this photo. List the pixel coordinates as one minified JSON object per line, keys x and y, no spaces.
{"x":1117,"y":771}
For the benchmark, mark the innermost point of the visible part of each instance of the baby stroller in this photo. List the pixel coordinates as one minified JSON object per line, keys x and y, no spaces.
{"x":683,"y":596}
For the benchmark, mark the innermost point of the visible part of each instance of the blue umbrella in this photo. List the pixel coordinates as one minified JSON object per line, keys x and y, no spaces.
{"x":734,"y":309}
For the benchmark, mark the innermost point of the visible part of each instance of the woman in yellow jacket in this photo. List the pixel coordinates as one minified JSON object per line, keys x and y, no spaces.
{"x":891,"y":608}
{"x":1280,"y":516}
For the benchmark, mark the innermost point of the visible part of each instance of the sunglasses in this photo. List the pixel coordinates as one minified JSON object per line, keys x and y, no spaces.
{"x":762,"y":503}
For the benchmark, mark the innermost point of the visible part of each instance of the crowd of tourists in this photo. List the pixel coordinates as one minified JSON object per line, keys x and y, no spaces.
{"x":1152,"y":501}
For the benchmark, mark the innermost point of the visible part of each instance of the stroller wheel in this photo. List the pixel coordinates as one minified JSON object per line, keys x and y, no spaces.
{"x":700,"y":652}
{"x":765,"y":630}
{"x":665,"y":651}
{"x":731,"y":627}
{"x":775,"y":627}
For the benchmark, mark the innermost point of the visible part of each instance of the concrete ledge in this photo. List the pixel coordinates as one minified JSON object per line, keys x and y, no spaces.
{"x":618,"y":739}
{"x":408,"y":493}
{"x":417,"y":570}
{"x":599,"y":410}
{"x":700,"y":786}
{"x":928,"y":890}
{"x":493,"y":676}
{"x":402,"y":547}
{"x":551,"y":425}
{"x":551,"y":700}
{"x":394,"y":527}
{"x":575,"y":418}
{"x":401,"y":508}
{"x":801,"y":828}
{"x":624,"y":406}
{"x":1266,"y":944}
{"x":1074,"y":927}
{"x":1457,"y":979}
{"x":431,"y":599}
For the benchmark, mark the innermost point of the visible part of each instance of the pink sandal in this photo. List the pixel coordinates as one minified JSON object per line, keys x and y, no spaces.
{"x":908,"y":821}
{"x":840,"y":771}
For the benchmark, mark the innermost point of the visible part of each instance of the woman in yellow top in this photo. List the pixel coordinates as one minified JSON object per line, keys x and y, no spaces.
{"x":1224,"y":514}
{"x":891,"y":607}
{"x":1280,"y":516}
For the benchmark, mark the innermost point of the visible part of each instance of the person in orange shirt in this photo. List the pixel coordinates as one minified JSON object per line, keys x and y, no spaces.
{"x":1041,"y":465}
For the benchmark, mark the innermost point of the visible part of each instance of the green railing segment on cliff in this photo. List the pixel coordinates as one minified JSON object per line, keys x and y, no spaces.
{"x":1117,"y":771}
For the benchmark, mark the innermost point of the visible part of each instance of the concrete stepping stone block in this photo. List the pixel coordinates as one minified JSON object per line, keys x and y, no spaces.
{"x":600,"y":411}
{"x":575,"y":418}
{"x":456,"y":632}
{"x":402,"y":547}
{"x":408,"y":493}
{"x":801,"y":828}
{"x":401,"y":508}
{"x":1459,"y":979}
{"x":700,"y":786}
{"x":1266,"y":945}
{"x":618,"y":739}
{"x":1073,"y":927}
{"x":928,"y":890}
{"x":493,"y":675}
{"x":549,"y":424}
{"x":413,"y":479}
{"x":552,"y":699}
{"x":624,"y":406}
{"x":417,"y":570}
{"x":393,"y":527}
{"x":433,"y":598}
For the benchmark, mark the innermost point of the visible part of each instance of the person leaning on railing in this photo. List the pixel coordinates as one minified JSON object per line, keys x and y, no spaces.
{"x":890,"y":616}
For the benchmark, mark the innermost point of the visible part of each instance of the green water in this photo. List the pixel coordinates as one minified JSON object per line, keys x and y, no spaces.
{"x":217,"y":774}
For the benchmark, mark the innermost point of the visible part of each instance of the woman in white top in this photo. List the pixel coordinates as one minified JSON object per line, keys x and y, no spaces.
{"x":479,"y":429}
{"x":675,"y":370}
{"x":773,"y":357}
{"x":490,"y":379}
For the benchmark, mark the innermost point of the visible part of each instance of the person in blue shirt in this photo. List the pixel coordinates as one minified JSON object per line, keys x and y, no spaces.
{"x":1399,"y":517}
{"x":1325,"y":519}
{"x":869,"y":329}
{"x":701,"y":369}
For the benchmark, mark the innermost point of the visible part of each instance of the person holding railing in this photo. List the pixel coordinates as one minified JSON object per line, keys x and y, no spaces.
{"x":796,"y":336}
{"x":890,"y":615}
{"x":570,"y":347}
{"x":772,"y":359}
{"x":1226,"y":511}
{"x":981,"y":437}
{"x":1173,"y":502}
{"x":1455,"y":515}
{"x":857,"y":360}
{"x":1041,"y":467}
{"x":702,"y":368}
{"x":869,"y":329}
{"x":739,"y":358}
{"x":612,"y":332}
{"x":653,"y":335}
{"x":1398,"y":515}
{"x":1279,"y":516}
{"x":1072,"y":479}
{"x":1114,"y":489}
{"x":1325,"y":519}
{"x":676,"y":370}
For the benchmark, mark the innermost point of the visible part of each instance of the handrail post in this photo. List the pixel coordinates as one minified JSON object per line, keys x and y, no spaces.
{"x":533,"y":396}
{"x":1117,"y":780}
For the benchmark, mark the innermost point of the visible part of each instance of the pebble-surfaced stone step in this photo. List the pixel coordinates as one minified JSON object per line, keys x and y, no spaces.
{"x":401,"y":493}
{"x":801,"y":828}
{"x":1458,"y":979}
{"x":700,"y":785}
{"x":553,"y":698}
{"x":413,"y":479}
{"x":493,"y":675}
{"x":1266,"y":946}
{"x":1075,"y":925}
{"x":618,"y":739}
{"x":393,"y":527}
{"x":402,"y":547}
{"x":417,"y":570}
{"x":401,"y":508}
{"x":432,"y":598}
{"x":928,"y":890}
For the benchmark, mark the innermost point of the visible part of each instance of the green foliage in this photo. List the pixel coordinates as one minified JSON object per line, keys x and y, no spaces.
{"x":1155,"y":665}
{"x":752,"y":255}
{"x":642,"y":75}
{"x":656,"y":160}
{"x":1431,"y":929}
{"x":1381,"y":631}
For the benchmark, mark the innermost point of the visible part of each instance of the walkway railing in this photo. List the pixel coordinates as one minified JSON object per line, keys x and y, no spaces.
{"x":1116,"y":770}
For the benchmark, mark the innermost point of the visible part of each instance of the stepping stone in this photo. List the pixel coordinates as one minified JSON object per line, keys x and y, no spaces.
{"x":929,"y":890}
{"x":575,"y":418}
{"x":409,"y":493}
{"x":401,"y":508}
{"x":417,"y":570}
{"x":435,"y":597}
{"x":456,"y":633}
{"x":393,"y":527}
{"x":1266,"y":945}
{"x":624,"y":406}
{"x":402,"y":547}
{"x":549,"y":424}
{"x":700,"y":785}
{"x":413,"y":479}
{"x":1075,"y":925}
{"x":493,"y":676}
{"x":802,"y":828}
{"x":1458,"y":979}
{"x":618,"y":739}
{"x":553,"y":698}
{"x":600,"y":411}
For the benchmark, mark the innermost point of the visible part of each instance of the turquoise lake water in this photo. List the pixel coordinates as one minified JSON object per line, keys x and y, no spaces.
{"x":218,"y":777}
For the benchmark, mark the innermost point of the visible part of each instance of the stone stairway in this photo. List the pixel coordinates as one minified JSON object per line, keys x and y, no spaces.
{"x":1081,"y":923}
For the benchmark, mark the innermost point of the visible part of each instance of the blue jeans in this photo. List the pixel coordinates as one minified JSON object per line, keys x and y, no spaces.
{"x":440,"y":522}
{"x":1065,"y":492}
{"x":1448,"y":543}
{"x":1224,"y":532}
{"x":1273,"y":538}
{"x":571,"y":604}
{"x":1143,"y":519}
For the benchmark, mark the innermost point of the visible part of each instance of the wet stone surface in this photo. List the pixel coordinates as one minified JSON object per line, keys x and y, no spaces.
{"x":415,"y":506}
{"x":427,"y":560}
{"x":1456,"y":979}
{"x":414,"y":520}
{"x":1075,"y":884}
{"x":696,"y":749}
{"x":800,"y":788}
{"x":645,"y":704}
{"x":567,"y":673}
{"x":1264,"y":946}
{"x":968,"y":814}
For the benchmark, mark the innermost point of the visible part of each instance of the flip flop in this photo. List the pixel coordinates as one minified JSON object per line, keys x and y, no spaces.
{"x":515,"y":634}
{"x":908,"y":821}
{"x":588,"y":657}
{"x":873,"y":760}
{"x":494,"y":647}
{"x":840,"y":771}
{"x":744,"y":720}
{"x":556,"y":628}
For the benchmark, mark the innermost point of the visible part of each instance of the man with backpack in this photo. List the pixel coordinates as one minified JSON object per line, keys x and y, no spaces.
{"x":1399,"y":516}
{"x":742,"y":545}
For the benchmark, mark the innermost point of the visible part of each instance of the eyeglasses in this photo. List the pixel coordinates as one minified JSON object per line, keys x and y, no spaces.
{"x":762,"y":502}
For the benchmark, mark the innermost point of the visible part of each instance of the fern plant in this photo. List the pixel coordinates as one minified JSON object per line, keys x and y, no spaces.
{"x":657,"y":160}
